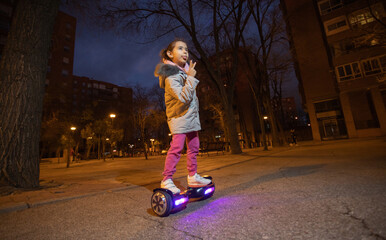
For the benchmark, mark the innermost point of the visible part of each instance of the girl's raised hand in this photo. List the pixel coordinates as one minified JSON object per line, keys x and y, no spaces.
{"x":192,"y":72}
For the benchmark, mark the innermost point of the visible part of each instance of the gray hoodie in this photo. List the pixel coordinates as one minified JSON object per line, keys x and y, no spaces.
{"x":180,"y":98}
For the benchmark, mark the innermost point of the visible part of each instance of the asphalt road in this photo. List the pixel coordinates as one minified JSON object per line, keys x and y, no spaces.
{"x":334,"y":190}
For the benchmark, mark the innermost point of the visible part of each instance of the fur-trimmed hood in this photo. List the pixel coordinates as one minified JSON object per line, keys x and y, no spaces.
{"x":163,"y":71}
{"x":180,"y":98}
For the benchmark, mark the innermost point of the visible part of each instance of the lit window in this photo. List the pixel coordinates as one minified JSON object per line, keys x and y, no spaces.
{"x":329,"y":6}
{"x":66,"y":60}
{"x":95,"y":85}
{"x":102,"y":86}
{"x":336,"y":25}
{"x":364,"y":16}
{"x":361,"y":18}
{"x":348,"y":71}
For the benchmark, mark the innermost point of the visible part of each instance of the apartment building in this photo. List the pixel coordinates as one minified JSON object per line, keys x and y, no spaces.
{"x":339,"y":49}
{"x":59,"y":82}
{"x":104,"y":98}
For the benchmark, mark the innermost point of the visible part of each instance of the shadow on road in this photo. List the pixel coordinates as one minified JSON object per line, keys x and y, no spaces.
{"x":286,"y":172}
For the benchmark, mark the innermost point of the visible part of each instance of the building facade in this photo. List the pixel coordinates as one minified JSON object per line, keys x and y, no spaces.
{"x":339,"y":49}
{"x":68,"y":95}
{"x":59,"y":82}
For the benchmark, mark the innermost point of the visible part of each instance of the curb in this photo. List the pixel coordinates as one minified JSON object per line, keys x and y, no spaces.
{"x":26,"y":205}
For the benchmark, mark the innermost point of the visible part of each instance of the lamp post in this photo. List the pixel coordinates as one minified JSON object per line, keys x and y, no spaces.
{"x":112,"y":116}
{"x":265,"y":133}
{"x":152,"y":145}
{"x":70,"y":150}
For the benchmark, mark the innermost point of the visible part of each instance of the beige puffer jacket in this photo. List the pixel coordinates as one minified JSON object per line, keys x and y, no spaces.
{"x":180,"y":98}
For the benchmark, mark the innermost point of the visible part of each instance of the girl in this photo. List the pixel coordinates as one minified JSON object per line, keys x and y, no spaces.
{"x":178,"y":80}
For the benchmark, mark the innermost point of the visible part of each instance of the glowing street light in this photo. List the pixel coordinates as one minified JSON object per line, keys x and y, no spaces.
{"x":112,"y":116}
{"x":265,"y":117}
{"x":73,"y":128}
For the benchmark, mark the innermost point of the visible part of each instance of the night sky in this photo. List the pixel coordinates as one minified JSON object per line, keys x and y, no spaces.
{"x":106,"y":56}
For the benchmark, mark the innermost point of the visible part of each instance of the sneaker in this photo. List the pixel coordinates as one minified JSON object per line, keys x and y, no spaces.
{"x":198,"y":181}
{"x":169,"y":185}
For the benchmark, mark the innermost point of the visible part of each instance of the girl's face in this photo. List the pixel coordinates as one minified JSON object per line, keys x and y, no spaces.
{"x":180,"y":54}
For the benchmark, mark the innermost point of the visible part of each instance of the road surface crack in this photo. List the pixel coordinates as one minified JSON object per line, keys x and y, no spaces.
{"x":350,"y":214}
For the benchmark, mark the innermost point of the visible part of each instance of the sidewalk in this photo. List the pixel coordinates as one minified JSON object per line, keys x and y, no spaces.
{"x":87,"y":178}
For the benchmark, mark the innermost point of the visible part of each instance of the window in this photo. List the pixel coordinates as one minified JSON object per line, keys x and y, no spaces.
{"x":371,"y":66}
{"x":66,"y":60}
{"x":336,"y":25}
{"x":102,"y":86}
{"x":67,"y":37}
{"x":364,"y":16}
{"x":64,"y":72}
{"x":115,"y":89}
{"x":66,"y":48}
{"x":95,"y":85}
{"x":361,"y":18}
{"x":348,"y":71}
{"x":329,"y":6}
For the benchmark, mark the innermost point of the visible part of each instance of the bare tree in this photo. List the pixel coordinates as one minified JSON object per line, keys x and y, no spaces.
{"x":22,"y":77}
{"x":212,"y":27}
{"x":141,"y":113}
{"x":269,"y":32}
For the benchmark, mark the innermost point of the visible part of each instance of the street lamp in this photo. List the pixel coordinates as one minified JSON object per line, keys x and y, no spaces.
{"x":112,"y":116}
{"x":152,"y":144}
{"x":70,"y":150}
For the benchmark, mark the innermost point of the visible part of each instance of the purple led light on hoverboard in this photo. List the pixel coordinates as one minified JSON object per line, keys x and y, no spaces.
{"x":209,"y":190}
{"x":180,"y":201}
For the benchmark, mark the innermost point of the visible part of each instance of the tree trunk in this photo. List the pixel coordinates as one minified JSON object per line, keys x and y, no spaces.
{"x":22,"y":77}
{"x":232,"y":131}
{"x":99,"y":148}
{"x":69,"y":153}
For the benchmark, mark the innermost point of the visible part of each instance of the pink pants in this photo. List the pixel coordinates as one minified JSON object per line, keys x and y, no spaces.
{"x":174,"y":153}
